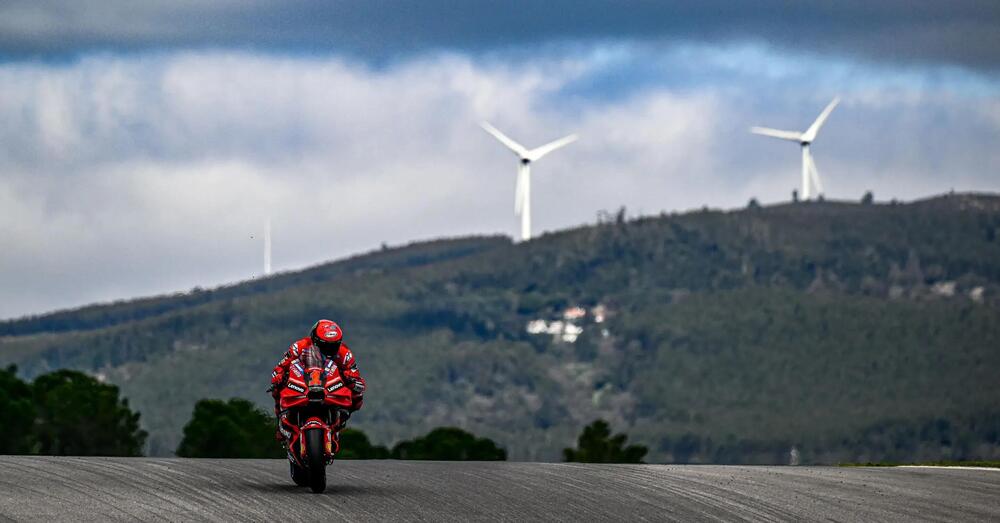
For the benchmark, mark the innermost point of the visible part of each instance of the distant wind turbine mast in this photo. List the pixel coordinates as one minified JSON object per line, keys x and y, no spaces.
{"x":522,"y":191}
{"x":810,"y":176}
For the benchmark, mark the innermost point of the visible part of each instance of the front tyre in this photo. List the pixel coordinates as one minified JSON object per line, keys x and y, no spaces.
{"x":316,"y":459}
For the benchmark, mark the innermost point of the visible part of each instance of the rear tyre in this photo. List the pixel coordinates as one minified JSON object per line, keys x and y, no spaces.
{"x":316,"y":459}
{"x":299,"y":475}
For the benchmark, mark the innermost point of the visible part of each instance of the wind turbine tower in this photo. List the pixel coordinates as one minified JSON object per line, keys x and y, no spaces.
{"x":267,"y":247}
{"x":522,"y":191}
{"x":810,"y":176}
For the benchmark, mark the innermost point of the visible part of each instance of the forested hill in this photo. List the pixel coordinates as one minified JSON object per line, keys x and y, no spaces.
{"x":845,"y":330}
{"x":106,"y":315}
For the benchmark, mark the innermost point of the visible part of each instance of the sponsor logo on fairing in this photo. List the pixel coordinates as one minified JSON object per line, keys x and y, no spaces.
{"x":335,"y":386}
{"x":296,"y":388}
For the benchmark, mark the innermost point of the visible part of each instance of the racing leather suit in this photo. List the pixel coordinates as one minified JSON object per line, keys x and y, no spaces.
{"x":344,"y":359}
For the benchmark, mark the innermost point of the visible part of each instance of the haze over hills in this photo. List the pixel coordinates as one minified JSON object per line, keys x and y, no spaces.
{"x":845,"y":330}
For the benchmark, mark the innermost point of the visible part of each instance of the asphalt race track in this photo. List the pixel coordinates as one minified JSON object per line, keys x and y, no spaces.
{"x":149,"y":489}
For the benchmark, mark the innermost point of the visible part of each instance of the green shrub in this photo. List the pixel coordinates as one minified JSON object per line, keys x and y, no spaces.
{"x":233,"y":429}
{"x":354,"y":444}
{"x":449,"y":444}
{"x":17,"y":410}
{"x":597,"y":445}
{"x":77,"y":415}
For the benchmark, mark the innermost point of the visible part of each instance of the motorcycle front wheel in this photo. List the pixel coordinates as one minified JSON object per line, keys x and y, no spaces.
{"x":316,"y":459}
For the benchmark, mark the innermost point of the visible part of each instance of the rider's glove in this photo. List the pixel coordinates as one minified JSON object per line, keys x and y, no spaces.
{"x":357,"y":385}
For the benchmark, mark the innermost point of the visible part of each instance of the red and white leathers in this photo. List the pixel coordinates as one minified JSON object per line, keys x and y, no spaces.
{"x":344,"y":359}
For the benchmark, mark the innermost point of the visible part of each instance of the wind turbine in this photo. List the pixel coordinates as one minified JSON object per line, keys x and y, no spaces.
{"x":805,"y":139}
{"x":267,"y":247}
{"x":522,"y":192}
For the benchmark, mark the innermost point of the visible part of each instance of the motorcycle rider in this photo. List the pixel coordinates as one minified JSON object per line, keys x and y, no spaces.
{"x":328,"y":337}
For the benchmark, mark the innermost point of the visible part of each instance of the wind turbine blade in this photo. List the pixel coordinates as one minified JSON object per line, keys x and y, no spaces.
{"x":518,"y":149}
{"x":775,"y":133}
{"x":538,"y":152}
{"x":810,"y":133}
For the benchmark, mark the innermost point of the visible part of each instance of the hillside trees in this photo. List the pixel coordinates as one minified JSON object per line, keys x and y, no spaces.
{"x":733,"y":335}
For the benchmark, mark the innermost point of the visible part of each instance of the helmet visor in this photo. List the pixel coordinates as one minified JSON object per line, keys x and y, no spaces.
{"x":328,"y":348}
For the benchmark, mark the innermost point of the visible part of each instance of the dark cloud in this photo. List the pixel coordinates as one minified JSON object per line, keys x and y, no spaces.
{"x":957,"y":32}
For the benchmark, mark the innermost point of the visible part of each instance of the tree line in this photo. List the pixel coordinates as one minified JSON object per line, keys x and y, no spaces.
{"x":238,"y":429}
{"x":72,"y":413}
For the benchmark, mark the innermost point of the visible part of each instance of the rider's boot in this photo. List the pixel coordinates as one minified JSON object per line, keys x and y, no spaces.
{"x":279,"y":435}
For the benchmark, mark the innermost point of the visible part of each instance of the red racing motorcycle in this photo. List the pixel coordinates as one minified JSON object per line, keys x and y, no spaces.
{"x":317,"y":402}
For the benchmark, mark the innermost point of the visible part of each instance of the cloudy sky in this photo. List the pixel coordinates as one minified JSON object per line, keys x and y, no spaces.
{"x":143,"y":145}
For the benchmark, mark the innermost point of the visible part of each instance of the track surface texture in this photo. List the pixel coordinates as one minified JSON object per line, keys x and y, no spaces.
{"x":148,"y":489}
